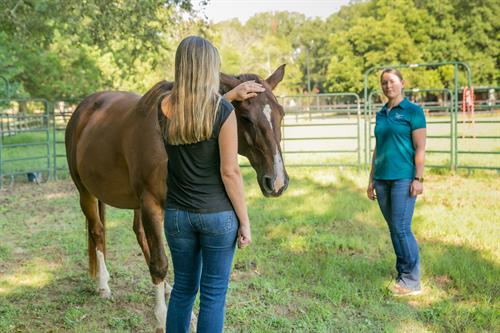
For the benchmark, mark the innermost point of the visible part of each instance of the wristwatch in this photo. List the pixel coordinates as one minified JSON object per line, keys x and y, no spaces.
{"x":420,"y":179}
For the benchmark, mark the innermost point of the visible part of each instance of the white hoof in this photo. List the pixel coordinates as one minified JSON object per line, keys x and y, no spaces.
{"x":105,"y":293}
{"x":102,"y":277}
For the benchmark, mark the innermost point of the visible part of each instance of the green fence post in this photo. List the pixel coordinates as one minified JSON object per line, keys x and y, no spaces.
{"x":367,"y":134}
{"x":358,"y":102}
{"x":1,"y":148}
{"x":7,"y":86}
{"x":54,"y":142}
{"x":47,"y":133}
{"x":450,"y":110}
{"x":455,"y":123}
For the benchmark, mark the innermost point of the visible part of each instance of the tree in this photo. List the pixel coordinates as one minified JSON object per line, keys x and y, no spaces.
{"x":72,"y":48}
{"x":382,"y":32}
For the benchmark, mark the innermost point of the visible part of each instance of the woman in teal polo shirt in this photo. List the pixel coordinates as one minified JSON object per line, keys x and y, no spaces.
{"x":396,"y":176}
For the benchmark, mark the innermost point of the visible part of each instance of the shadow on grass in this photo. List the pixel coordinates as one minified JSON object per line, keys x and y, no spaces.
{"x":328,"y":244}
{"x":49,"y":290}
{"x":44,"y":281}
{"x":69,"y":303}
{"x":462,"y":289}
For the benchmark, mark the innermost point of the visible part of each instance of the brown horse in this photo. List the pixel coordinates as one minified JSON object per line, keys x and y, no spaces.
{"x":116,"y":156}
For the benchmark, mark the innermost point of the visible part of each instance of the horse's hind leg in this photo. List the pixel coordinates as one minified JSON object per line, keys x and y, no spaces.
{"x":94,"y":212}
{"x":141,"y":237}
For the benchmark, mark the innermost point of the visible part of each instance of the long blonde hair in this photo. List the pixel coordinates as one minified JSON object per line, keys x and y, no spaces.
{"x":194,"y":100}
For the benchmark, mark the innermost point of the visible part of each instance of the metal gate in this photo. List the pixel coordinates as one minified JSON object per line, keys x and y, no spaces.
{"x":317,"y":130}
{"x":322,"y":130}
{"x":24,"y":139}
{"x":62,"y":111}
{"x":454,"y":113}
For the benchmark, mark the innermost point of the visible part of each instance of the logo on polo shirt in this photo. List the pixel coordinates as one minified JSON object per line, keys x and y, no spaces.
{"x":398,"y":116}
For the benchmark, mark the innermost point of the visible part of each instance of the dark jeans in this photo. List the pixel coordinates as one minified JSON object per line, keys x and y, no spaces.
{"x":202,"y":248}
{"x":397,"y":206}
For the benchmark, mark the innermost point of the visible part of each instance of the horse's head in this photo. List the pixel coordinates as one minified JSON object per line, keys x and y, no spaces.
{"x":259,"y":131}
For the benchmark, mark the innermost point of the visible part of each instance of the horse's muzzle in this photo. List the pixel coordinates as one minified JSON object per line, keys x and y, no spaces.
{"x":269,"y":188}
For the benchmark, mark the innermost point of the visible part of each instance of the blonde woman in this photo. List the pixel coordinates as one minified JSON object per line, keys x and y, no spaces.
{"x":205,"y":213}
{"x":397,"y":176}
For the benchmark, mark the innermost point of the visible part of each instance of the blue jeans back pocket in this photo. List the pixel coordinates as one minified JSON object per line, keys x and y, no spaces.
{"x":220,"y":222}
{"x":171,"y":223}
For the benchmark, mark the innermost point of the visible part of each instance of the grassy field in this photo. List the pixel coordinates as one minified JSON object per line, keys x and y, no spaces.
{"x":321,"y":261}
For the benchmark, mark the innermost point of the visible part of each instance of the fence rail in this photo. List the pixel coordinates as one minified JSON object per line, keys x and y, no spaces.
{"x":332,"y":131}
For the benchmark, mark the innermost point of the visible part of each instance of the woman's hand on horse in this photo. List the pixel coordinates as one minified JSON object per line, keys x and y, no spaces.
{"x":244,"y":91}
{"x":244,"y":235}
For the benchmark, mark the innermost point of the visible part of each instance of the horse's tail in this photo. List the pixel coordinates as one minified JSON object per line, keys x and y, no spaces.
{"x":92,"y":252}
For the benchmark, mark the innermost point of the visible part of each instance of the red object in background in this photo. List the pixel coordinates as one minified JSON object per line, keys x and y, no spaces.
{"x":468,"y":99}
{"x":468,"y":106}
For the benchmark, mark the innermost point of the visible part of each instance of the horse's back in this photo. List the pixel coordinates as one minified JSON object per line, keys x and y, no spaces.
{"x":95,"y":139}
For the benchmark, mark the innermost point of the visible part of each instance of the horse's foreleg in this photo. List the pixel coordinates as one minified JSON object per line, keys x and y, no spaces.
{"x":141,"y":237}
{"x":152,"y":221}
{"x":96,"y":242}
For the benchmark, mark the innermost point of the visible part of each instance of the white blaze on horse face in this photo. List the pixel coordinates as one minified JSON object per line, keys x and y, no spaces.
{"x":279,"y":171}
{"x":103,"y":276}
{"x":267,"y":112}
{"x":160,"y":306}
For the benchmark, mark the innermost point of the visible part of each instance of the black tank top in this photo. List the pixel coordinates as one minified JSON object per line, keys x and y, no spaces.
{"x":194,"y":181}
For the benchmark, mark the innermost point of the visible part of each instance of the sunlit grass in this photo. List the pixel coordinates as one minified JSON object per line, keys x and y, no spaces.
{"x":321,"y":260}
{"x":36,"y":273}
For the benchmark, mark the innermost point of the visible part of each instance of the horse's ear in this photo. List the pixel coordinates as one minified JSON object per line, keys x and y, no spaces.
{"x":227,"y":82}
{"x":277,"y":76}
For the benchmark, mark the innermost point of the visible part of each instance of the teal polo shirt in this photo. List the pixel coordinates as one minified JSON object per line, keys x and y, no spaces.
{"x":395,"y":157}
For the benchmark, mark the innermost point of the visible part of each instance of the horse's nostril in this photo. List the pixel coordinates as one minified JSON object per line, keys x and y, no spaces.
{"x":268,"y":184}
{"x":283,"y":189}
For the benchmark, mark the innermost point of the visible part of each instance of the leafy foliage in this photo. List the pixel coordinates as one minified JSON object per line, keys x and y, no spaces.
{"x":383,"y":32}
{"x":63,"y":49}
{"x":364,"y":34}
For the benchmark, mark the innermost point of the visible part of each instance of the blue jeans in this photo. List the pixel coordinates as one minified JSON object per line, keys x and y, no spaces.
{"x":202,"y":248}
{"x":397,"y":206}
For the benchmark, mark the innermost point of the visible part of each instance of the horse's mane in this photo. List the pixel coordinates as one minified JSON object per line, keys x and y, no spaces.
{"x":149,"y":101}
{"x":248,"y":77}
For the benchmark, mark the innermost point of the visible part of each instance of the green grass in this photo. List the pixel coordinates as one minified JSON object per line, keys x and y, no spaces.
{"x":320,"y":261}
